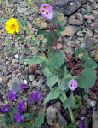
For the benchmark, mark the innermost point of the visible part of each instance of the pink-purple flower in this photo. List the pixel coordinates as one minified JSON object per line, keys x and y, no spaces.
{"x":21,"y":105}
{"x":81,"y":124}
{"x":11,"y":95}
{"x":72,"y":84}
{"x":4,"y":108}
{"x":21,"y":86}
{"x":18,"y":117}
{"x":34,"y":96}
{"x":54,"y":47}
{"x":46,"y":11}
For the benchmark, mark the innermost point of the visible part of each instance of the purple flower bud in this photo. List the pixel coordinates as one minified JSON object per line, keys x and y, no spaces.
{"x":46,"y":11}
{"x":4,"y":108}
{"x":21,"y":86}
{"x":21,"y":106}
{"x":72,"y":84}
{"x":54,"y":47}
{"x":34,"y":96}
{"x":80,"y":123}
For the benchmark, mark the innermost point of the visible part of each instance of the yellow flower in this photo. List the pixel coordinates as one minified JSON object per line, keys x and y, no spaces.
{"x":11,"y":25}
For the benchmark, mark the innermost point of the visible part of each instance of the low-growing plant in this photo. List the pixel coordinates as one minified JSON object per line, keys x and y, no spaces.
{"x":54,"y":66}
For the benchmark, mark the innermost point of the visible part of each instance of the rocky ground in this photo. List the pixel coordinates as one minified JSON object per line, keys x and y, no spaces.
{"x":81,"y":30}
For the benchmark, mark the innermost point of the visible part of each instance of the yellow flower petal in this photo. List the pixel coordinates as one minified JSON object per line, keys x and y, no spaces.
{"x":12,"y":25}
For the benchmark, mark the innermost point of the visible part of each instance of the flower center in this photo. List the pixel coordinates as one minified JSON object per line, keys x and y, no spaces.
{"x":72,"y":84}
{"x":45,"y":10}
{"x":13,"y":26}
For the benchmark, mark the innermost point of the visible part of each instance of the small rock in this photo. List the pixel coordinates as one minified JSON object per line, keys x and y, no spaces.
{"x":95,"y":119}
{"x":84,"y":110}
{"x":23,"y":4}
{"x":74,"y":21}
{"x":71,"y":43}
{"x":15,"y":61}
{"x":25,"y":81}
{"x":83,"y":2}
{"x":79,"y":33}
{"x":68,"y":31}
{"x":89,"y":33}
{"x":57,"y":105}
{"x":43,"y":25}
{"x":32,"y":68}
{"x":89,"y":43}
{"x":21,"y":10}
{"x":93,"y":103}
{"x":52,"y":113}
{"x":31,"y":77}
{"x":95,"y":36}
{"x":16,"y":56}
{"x":89,"y":17}
{"x":15,"y":84}
{"x":89,"y":21}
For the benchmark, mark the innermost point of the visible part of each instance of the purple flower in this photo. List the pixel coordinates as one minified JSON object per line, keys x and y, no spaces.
{"x":72,"y":84}
{"x":53,"y":47}
{"x":11,"y":95}
{"x":80,"y":123}
{"x":21,"y":106}
{"x":4,"y":108}
{"x":21,"y":86}
{"x":0,"y":99}
{"x":46,"y":11}
{"x":18,"y":117}
{"x":34,"y":96}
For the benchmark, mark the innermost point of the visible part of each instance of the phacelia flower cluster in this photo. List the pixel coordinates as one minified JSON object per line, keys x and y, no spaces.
{"x":34,"y":96}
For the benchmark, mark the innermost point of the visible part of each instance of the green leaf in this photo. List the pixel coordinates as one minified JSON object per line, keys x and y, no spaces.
{"x":69,"y":101}
{"x":32,"y":60}
{"x":27,"y":51}
{"x":46,"y":69}
{"x":63,"y":84}
{"x":79,"y":100}
{"x":61,"y":28}
{"x":24,"y":19}
{"x":86,"y":79}
{"x":82,"y":92}
{"x":50,"y":38}
{"x":40,"y":32}
{"x":4,"y":19}
{"x":9,"y":43}
{"x":10,"y":48}
{"x":52,"y":80}
{"x":61,"y":97}
{"x":36,"y":41}
{"x":64,"y":126}
{"x":57,"y":60}
{"x":26,"y":116}
{"x":84,"y":56}
{"x":39,"y":121}
{"x":90,"y":64}
{"x":54,"y":93}
{"x":21,"y":39}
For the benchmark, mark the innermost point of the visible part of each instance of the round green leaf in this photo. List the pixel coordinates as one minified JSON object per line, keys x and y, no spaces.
{"x":86,"y":79}
{"x":90,"y":63}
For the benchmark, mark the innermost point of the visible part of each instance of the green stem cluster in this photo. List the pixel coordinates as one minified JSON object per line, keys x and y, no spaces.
{"x":71,"y":113}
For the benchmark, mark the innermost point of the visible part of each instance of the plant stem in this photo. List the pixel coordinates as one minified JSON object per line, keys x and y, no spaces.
{"x":27,"y":31}
{"x":5,"y":8}
{"x":71,"y":113}
{"x":18,"y":13}
{"x":4,"y":15}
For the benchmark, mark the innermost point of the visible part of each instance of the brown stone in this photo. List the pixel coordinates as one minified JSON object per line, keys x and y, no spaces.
{"x":74,"y":21}
{"x":89,"y":17}
{"x":94,"y":25}
{"x":95,"y":119}
{"x":68,"y":31}
{"x":71,"y":43}
{"x":32,"y":68}
{"x":95,"y":36}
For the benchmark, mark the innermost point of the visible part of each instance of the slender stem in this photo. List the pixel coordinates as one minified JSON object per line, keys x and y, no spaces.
{"x":4,"y":15}
{"x":71,"y":113}
{"x":17,"y":12}
{"x":53,"y":2}
{"x":27,"y":31}
{"x":5,"y":8}
{"x":43,"y":53}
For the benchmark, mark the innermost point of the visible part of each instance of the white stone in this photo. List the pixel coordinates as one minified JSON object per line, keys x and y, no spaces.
{"x":25,"y":81}
{"x":16,"y":56}
{"x":93,"y":103}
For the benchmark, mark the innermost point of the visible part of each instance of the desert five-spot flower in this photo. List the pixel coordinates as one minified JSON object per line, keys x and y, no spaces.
{"x":11,"y":25}
{"x":46,"y":11}
{"x":72,"y":84}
